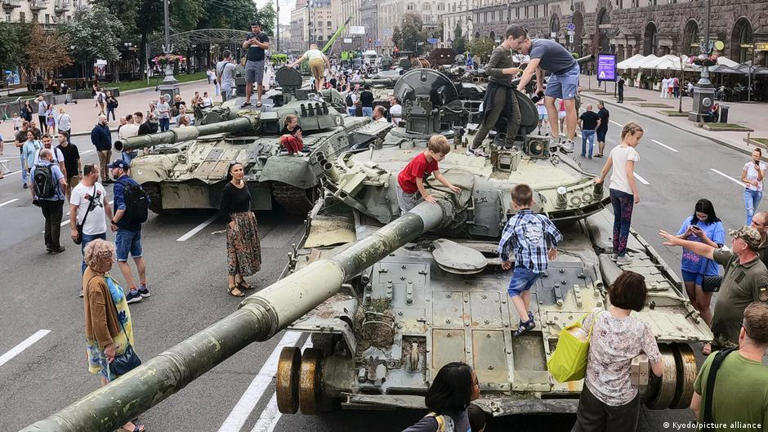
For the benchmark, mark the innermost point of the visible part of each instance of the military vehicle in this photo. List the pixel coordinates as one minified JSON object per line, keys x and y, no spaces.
{"x":389,"y":298}
{"x":186,"y":168}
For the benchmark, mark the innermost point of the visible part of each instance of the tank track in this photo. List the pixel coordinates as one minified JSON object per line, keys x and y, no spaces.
{"x":156,"y":201}
{"x":294,"y":200}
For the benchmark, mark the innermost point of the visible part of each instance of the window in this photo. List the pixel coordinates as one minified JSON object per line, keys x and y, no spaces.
{"x":22,"y":17}
{"x":517,"y":13}
{"x":47,"y":18}
{"x":330,"y":23}
{"x":8,"y":17}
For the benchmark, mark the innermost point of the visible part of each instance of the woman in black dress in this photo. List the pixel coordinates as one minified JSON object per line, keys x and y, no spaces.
{"x":243,"y":246}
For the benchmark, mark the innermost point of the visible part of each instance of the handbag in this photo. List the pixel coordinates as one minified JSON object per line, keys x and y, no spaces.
{"x":569,"y":361}
{"x":711,"y":283}
{"x":79,"y":239}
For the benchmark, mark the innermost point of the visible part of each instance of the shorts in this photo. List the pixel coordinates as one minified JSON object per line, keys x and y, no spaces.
{"x":317,"y":67}
{"x":601,"y":135}
{"x":697,"y":278}
{"x":254,"y":71}
{"x":226,"y":94}
{"x":542,"y":116}
{"x":522,"y":280}
{"x":125,"y":242}
{"x":561,"y":114}
{"x":406,"y":201}
{"x":564,"y":86}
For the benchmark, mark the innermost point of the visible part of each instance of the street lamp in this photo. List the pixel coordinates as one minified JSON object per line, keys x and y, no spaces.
{"x":169,"y":85}
{"x":703,"y":92}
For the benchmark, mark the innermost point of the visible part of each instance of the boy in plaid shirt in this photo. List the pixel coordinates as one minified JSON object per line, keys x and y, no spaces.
{"x":533,"y":238}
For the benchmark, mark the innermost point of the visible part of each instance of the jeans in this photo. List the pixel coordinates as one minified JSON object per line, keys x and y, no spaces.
{"x":52,"y":212}
{"x":165,"y":124}
{"x":111,"y":110}
{"x":87,"y":238}
{"x":367,"y":111}
{"x":622,"y":216}
{"x":352,"y":111}
{"x":24,"y":173}
{"x":751,"y":201}
{"x":587,"y":136}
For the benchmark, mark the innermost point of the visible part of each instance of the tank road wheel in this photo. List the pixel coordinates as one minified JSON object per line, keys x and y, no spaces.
{"x":666,"y":386}
{"x":288,"y":368}
{"x":309,"y":381}
{"x":155,"y":200}
{"x":686,"y":375}
{"x":294,"y":200}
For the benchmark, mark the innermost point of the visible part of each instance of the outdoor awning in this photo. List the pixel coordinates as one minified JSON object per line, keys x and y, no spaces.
{"x":630,"y":63}
{"x":648,"y":63}
{"x":723,"y":69}
{"x":722,"y":60}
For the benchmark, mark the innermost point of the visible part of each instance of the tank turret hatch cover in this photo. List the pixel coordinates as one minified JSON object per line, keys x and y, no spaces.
{"x":288,"y":78}
{"x":455,"y":258}
{"x":426,"y":83}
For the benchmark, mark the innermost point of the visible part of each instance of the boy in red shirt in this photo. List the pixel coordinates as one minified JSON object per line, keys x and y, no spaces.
{"x":410,"y":181}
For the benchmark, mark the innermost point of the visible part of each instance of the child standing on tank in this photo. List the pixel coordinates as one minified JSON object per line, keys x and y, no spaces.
{"x":533,"y":238}
{"x":410,"y":181}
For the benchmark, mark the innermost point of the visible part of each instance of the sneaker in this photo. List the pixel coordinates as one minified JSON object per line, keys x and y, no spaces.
{"x":476,"y":152}
{"x":623,"y":259}
{"x":144,"y":291}
{"x":80,"y":294}
{"x":614,"y":256}
{"x":567,"y":146}
{"x":133,"y":296}
{"x":24,"y":186}
{"x":245,"y":104}
{"x":58,"y":250}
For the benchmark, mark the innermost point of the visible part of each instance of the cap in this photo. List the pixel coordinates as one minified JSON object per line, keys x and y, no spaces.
{"x":255,"y":23}
{"x":751,"y":236}
{"x":119,"y":163}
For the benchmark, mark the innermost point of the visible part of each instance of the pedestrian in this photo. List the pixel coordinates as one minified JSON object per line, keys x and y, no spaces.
{"x":670,"y":87}
{"x":48,"y":190}
{"x":108,"y":323}
{"x":561,"y":113}
{"x":602,"y":129}
{"x":351,"y":101}
{"x":317,"y":64}
{"x":533,"y":238}
{"x":395,"y":110}
{"x":621,"y":90}
{"x":448,"y":398}
{"x":42,"y":108}
{"x":72,"y":166}
{"x":225,"y":71}
{"x":164,"y":113}
{"x":50,"y":120}
{"x":56,"y":154}
{"x":608,"y":400}
{"x":380,"y":114}
{"x":500,"y":99}
{"x":623,"y":190}
{"x":366,"y":101}
{"x":243,"y":246}
{"x":101,"y":101}
{"x":111,"y":105}
{"x":131,"y":204}
{"x":663,"y":87}
{"x":548,"y":55}
{"x":16,"y":122}
{"x":541,"y":110}
{"x":410,"y":181}
{"x":128,"y":129}
{"x":2,"y":144}
{"x":206,"y":101}
{"x":211,"y":75}
{"x":65,"y":123}
{"x":752,"y":176}
{"x":19,"y":139}
{"x":589,"y":121}
{"x":705,"y":227}
{"x":745,"y":280}
{"x":177,"y":103}
{"x":88,"y":210}
{"x":738,"y":396}
{"x":676,"y":87}
{"x":101,"y":138}
{"x":291,"y":136}
{"x":145,"y":128}
{"x":690,"y":88}
{"x":256,"y":42}
{"x":29,"y":150}
{"x":26,"y":111}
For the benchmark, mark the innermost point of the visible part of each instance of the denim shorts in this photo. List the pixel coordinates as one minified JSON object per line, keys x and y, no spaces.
{"x":522,"y":280}
{"x":697,"y":278}
{"x":601,"y":135}
{"x":125,"y":242}
{"x":564,"y":86}
{"x":254,"y":71}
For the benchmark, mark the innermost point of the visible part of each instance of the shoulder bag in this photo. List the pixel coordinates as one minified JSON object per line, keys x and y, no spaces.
{"x":79,"y":238}
{"x":710,"y":393}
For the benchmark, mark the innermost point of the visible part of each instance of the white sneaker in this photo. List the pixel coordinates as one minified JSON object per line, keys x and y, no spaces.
{"x":567,"y":146}
{"x":476,"y":152}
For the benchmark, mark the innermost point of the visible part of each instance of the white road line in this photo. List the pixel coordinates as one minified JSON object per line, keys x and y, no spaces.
{"x":642,"y":180}
{"x":9,"y":201}
{"x":271,"y":415}
{"x":5,"y":358}
{"x":728,"y":177}
{"x":665,"y":146}
{"x":239,"y":414}
{"x":87,"y":151}
{"x":67,"y":221}
{"x":617,"y":124}
{"x":11,"y":173}
{"x":197,"y":229}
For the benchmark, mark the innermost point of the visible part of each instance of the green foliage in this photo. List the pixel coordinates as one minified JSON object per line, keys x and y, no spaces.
{"x":459,"y":43}
{"x":185,"y":14}
{"x":232,"y":14}
{"x":412,"y":36}
{"x":397,"y":37}
{"x":481,"y":47}
{"x":13,"y":39}
{"x":94,"y":33}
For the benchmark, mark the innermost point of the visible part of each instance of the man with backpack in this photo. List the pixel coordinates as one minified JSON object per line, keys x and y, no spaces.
{"x":131,"y":210}
{"x":351,"y":102}
{"x":48,"y":190}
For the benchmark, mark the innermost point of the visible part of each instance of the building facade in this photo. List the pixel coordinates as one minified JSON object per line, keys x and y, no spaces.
{"x":369,"y":18}
{"x":42,"y":11}
{"x":311,"y":22}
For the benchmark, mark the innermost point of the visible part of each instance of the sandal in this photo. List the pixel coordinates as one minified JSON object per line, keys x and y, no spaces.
{"x":243,"y":285}
{"x":525,"y":326}
{"x":232,"y":289}
{"x":135,"y":429}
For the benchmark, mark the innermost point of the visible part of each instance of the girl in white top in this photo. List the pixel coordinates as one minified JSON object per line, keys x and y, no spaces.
{"x":623,"y":189}
{"x":752,"y":176}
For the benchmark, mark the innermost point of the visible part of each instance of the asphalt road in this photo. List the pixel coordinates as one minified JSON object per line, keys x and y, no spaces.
{"x":39,"y":303}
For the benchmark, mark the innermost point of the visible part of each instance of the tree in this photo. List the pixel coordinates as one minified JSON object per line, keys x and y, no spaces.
{"x":459,"y":44}
{"x":46,"y":51}
{"x":94,"y":33}
{"x":231,"y":14}
{"x":12,"y":44}
{"x":481,"y":47}
{"x":397,"y":37}
{"x":413,"y":36}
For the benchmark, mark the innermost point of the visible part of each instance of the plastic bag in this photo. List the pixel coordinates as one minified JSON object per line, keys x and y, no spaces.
{"x":569,"y":361}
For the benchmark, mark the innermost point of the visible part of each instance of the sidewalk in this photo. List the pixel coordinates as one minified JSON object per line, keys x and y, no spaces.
{"x":85,"y":114}
{"x":751,"y":115}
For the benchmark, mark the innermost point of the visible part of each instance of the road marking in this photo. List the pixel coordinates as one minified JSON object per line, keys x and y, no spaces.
{"x":738,"y":182}
{"x":11,"y":173}
{"x":239,"y":414}
{"x":197,"y":229}
{"x":5,"y":358}
{"x":67,"y":221}
{"x":87,"y":151}
{"x":9,"y":201}
{"x":617,"y":124}
{"x":665,"y":146}
{"x":642,"y":180}
{"x":271,"y":415}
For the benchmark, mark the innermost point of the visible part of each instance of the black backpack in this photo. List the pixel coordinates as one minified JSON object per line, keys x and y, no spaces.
{"x":136,"y":203}
{"x":44,"y":182}
{"x":349,"y":101}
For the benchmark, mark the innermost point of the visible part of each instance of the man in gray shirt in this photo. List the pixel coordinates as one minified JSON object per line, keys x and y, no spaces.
{"x":563,"y":83}
{"x":225,"y":73}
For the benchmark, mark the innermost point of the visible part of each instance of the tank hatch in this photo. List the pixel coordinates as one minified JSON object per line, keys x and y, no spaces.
{"x":457,"y":259}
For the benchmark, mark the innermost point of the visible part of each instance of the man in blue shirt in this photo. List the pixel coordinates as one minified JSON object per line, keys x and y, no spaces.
{"x":128,"y":234}
{"x":50,"y":201}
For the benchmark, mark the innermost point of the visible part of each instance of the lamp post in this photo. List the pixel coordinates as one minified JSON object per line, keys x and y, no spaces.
{"x":169,"y":86}
{"x":703,"y":92}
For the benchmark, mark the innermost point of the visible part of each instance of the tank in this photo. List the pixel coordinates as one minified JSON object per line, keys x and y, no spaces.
{"x":186,"y":168}
{"x":389,"y":298}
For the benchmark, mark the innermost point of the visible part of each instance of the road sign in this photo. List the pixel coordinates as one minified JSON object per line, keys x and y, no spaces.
{"x":347,"y":40}
{"x":606,"y":67}
{"x":570,"y":38}
{"x":571,"y":32}
{"x":571,"y":26}
{"x":356,"y":30}
{"x":433,"y":40}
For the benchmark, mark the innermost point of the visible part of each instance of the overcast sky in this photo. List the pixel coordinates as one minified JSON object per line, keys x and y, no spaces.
{"x":285,"y":8}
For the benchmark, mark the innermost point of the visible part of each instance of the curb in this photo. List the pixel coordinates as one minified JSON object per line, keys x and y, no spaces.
{"x":662,"y":120}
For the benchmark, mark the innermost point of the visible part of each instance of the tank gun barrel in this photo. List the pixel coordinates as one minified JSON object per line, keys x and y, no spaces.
{"x":238,"y":125}
{"x":259,"y":317}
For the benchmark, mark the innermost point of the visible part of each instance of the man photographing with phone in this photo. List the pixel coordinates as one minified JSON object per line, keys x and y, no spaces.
{"x":256,"y":42}
{"x":752,"y":176}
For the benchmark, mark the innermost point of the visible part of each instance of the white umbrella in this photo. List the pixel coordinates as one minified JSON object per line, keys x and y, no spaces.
{"x":631,"y":62}
{"x":727,"y":62}
{"x":649,"y":62}
{"x":668,"y":62}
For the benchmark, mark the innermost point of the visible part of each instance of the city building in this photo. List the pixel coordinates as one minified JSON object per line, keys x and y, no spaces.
{"x":311,"y":22}
{"x":42,"y":11}
{"x":369,"y":18}
{"x":392,"y":12}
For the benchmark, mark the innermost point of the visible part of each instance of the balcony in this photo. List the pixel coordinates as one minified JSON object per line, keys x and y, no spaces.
{"x":61,"y":6}
{"x":36,"y":5}
{"x":10,"y":4}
